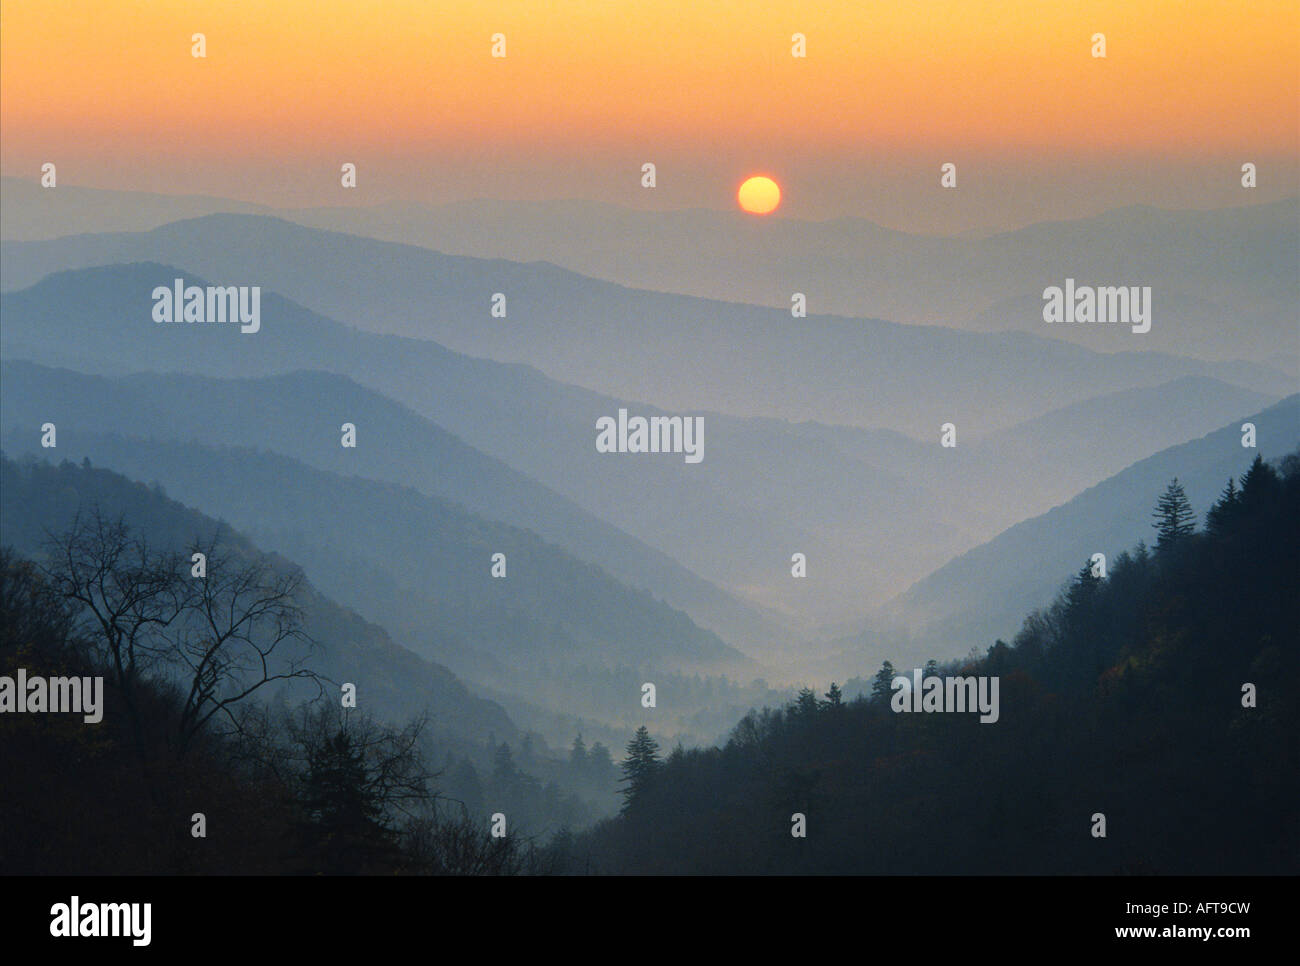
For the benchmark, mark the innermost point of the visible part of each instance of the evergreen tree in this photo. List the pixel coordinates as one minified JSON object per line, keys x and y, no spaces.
{"x":1174,"y":518}
{"x":1222,"y":512}
{"x":806,"y":703}
{"x":931,"y":669}
{"x":344,"y":828}
{"x":1260,"y":485}
{"x":834,"y":697}
{"x":578,"y":755}
{"x":1141,"y":555}
{"x":639,"y":766}
{"x":883,"y":684}
{"x":1083,"y":589}
{"x":504,"y":771}
{"x":599,"y":763}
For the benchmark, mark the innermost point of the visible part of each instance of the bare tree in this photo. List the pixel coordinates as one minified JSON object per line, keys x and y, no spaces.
{"x":236,"y":617}
{"x":439,"y":844}
{"x":125,"y":595}
{"x":215,"y":635}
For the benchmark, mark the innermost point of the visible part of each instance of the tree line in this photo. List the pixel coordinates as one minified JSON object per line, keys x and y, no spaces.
{"x":219,"y":751}
{"x":1161,"y":696}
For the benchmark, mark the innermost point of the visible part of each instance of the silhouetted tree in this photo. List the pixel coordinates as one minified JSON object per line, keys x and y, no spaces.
{"x":217,"y":634}
{"x":36,"y":615}
{"x":1260,"y":485}
{"x":1142,"y":668}
{"x":236,"y":618}
{"x":883,"y":684}
{"x":1083,"y":589}
{"x":640,"y":766}
{"x":578,"y":756}
{"x":344,"y":815}
{"x":806,"y":703}
{"x":1221,"y":514}
{"x":358,"y":779}
{"x":600,"y":763}
{"x":1174,"y":519}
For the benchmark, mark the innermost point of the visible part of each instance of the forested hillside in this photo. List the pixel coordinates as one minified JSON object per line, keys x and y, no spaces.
{"x":96,"y":579}
{"x":1162,"y":697}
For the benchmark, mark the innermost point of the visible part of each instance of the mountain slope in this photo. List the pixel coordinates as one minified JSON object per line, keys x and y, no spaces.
{"x":89,"y":321}
{"x":697,"y":354}
{"x":37,"y":497}
{"x":1206,"y":267}
{"x":982,"y":594}
{"x":873,"y":510}
{"x":1161,"y":701}
{"x":424,"y":554}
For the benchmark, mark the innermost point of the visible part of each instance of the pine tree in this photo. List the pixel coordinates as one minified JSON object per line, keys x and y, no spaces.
{"x":1223,"y":511}
{"x":806,"y":703}
{"x":1083,"y":589}
{"x":1140,"y":553}
{"x":639,"y":767}
{"x":834,"y":697}
{"x":1174,"y":518}
{"x":1260,"y":484}
{"x":578,"y":755}
{"x":600,"y":763}
{"x":344,"y":827}
{"x":504,"y":772}
{"x":883,"y":684}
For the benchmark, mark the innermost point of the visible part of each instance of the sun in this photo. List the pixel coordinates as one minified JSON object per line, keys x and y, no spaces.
{"x":759,"y":195}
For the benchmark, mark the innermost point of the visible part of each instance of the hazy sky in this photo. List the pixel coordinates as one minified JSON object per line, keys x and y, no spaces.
{"x":588,"y":91}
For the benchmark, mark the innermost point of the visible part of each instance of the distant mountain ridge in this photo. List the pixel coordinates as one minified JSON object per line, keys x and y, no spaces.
{"x":1225,"y":279}
{"x":697,"y":355}
{"x":82,"y":321}
{"x":428,"y":553}
{"x":984,"y":593}
{"x":873,"y":510}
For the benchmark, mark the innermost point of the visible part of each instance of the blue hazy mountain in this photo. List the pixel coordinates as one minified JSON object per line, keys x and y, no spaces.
{"x":985,"y":593}
{"x":678,"y":352}
{"x":873,"y":510}
{"x":1224,"y":279}
{"x":418,"y":563}
{"x":86,"y":321}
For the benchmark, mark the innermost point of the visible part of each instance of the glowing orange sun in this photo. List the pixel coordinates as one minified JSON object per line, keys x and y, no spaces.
{"x":759,"y":195}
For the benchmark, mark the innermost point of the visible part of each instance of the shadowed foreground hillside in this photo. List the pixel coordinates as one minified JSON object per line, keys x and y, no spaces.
{"x":221,"y":698}
{"x":1127,"y":699}
{"x":1124,"y":698}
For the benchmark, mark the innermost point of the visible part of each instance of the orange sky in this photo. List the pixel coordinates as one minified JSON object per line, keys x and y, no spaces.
{"x":404,"y":86}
